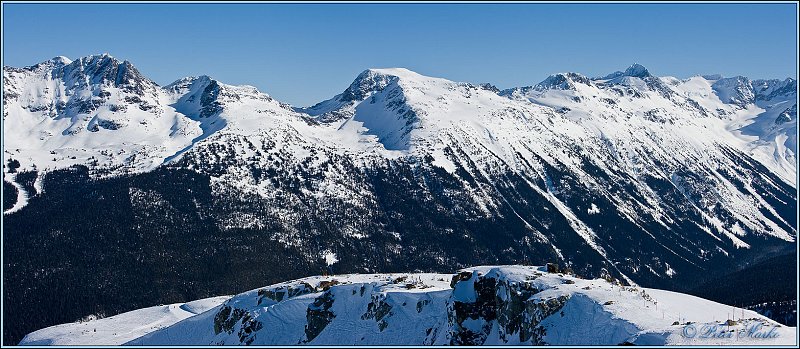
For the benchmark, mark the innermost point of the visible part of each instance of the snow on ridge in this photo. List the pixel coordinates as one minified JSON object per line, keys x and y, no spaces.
{"x":61,"y":59}
{"x":121,"y":328}
{"x":484,"y":305}
{"x":402,"y":73}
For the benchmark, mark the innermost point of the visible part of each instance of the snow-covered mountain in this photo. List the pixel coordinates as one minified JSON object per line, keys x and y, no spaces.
{"x":96,"y":110}
{"x":628,"y":129}
{"x":658,"y":181}
{"x":756,"y":117}
{"x":502,"y":305}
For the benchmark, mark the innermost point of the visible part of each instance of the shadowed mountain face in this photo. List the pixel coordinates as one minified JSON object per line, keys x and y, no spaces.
{"x":219,"y":189}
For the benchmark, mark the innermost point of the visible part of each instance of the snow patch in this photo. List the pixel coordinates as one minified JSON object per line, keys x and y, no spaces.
{"x":329,"y":257}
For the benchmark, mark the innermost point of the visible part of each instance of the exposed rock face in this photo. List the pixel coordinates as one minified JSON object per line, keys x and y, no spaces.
{"x":736,"y":90}
{"x":484,"y":302}
{"x":285,"y":292}
{"x":378,"y":309}
{"x":319,"y":315}
{"x":367,"y":82}
{"x":227,"y":319}
{"x":564,"y":81}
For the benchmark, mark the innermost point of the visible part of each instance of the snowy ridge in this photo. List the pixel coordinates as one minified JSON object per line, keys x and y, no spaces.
{"x":60,"y":106}
{"x":490,"y":305}
{"x":119,"y":329}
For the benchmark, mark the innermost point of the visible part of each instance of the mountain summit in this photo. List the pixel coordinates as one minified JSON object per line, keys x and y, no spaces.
{"x":635,"y":70}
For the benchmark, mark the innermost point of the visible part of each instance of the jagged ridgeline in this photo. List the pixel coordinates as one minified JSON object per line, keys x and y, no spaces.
{"x":121,"y":194}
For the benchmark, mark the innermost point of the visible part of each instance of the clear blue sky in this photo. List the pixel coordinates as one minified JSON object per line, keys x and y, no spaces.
{"x":304,"y":53}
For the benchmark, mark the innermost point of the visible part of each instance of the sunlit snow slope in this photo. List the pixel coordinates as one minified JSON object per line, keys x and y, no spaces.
{"x":119,"y":329}
{"x":502,"y":305}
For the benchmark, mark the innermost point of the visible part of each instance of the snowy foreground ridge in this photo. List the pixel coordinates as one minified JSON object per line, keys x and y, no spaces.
{"x":487,"y":305}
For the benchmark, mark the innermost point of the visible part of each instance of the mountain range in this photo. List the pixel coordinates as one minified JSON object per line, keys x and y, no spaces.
{"x":168,"y":194}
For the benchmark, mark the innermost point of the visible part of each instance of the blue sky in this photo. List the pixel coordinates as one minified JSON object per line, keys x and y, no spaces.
{"x":305,"y":53}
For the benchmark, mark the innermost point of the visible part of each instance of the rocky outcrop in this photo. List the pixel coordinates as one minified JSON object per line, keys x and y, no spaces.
{"x":319,"y":315}
{"x":483,"y":302}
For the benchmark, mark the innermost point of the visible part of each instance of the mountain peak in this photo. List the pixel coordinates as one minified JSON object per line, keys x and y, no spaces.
{"x":99,"y":59}
{"x":202,"y":78}
{"x":60,"y":60}
{"x":372,"y":80}
{"x":105,"y":69}
{"x":376,"y":79}
{"x":186,"y":81}
{"x":402,"y":73}
{"x":711,"y":76}
{"x":563,"y":81}
{"x":52,"y":63}
{"x":636,"y":70}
